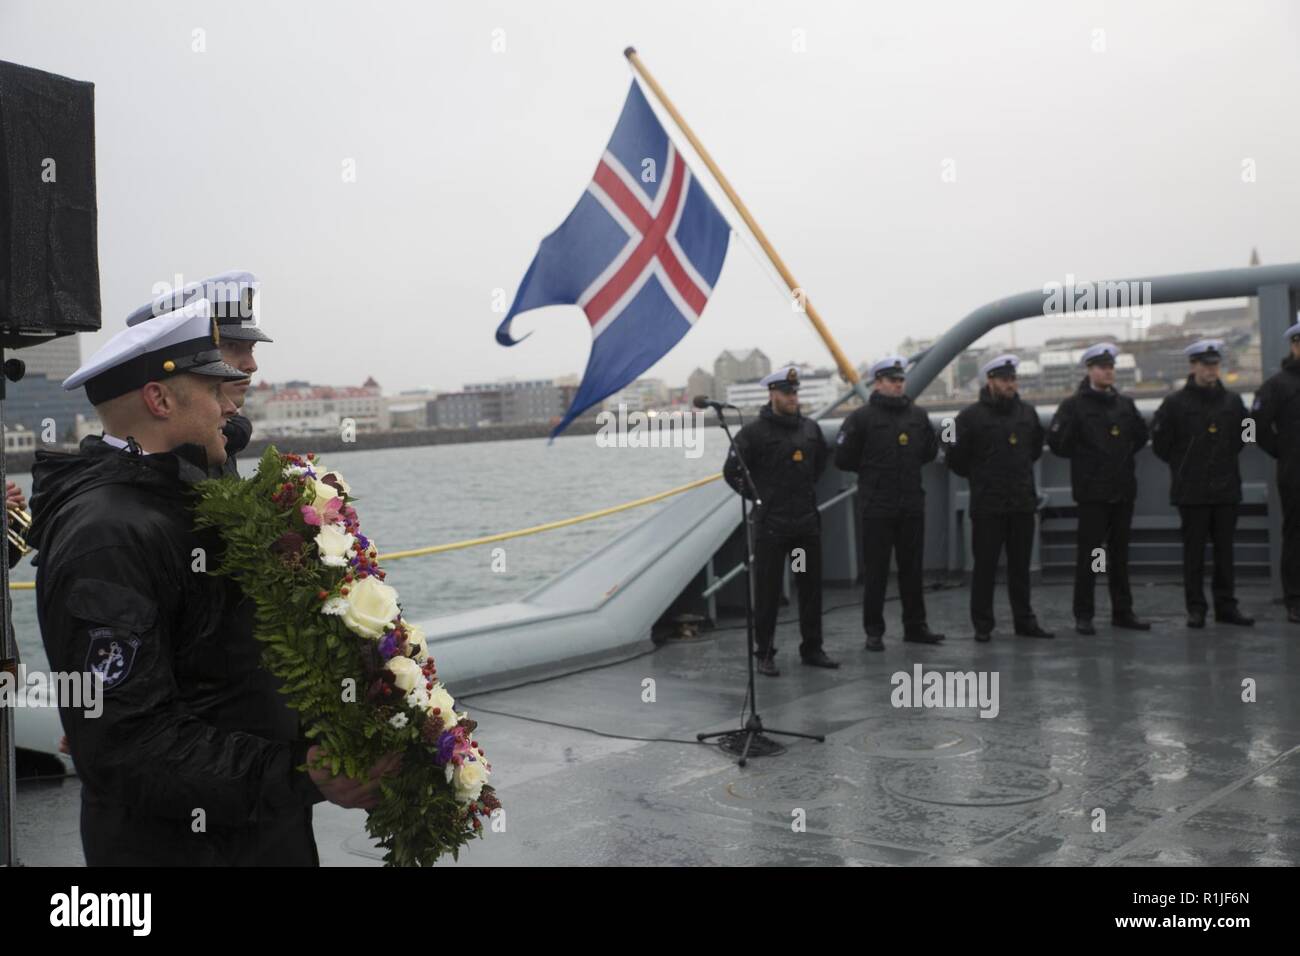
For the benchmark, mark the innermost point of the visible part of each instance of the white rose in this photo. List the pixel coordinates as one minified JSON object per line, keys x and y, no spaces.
{"x":324,"y":494}
{"x":438,"y":697}
{"x":337,"y":479}
{"x":333,"y":544}
{"x":372,"y":606}
{"x":415,"y":638}
{"x":406,"y":673}
{"x":469,"y":779}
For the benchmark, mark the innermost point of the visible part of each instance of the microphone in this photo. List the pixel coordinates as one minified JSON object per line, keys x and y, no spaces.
{"x":703,"y":401}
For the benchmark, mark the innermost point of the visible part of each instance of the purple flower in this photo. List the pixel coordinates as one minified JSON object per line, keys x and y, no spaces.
{"x":363,"y":542}
{"x":446,"y":747}
{"x":388,"y":646}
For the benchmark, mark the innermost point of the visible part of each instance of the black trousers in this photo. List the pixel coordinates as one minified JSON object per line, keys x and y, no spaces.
{"x":1290,"y":495}
{"x":772,"y":555}
{"x":1105,"y":525}
{"x":989,"y":534}
{"x":904,"y":537}
{"x":1214,"y":523}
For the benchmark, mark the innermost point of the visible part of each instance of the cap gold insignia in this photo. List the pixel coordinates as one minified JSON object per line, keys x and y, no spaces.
{"x":902,"y":438}
{"x":169,"y":366}
{"x":792,"y":376}
{"x":1013,"y":439}
{"x":1213,"y":428}
{"x":1114,"y":430}
{"x":798,"y":454}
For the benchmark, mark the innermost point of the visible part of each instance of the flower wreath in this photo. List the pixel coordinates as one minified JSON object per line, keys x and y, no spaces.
{"x":357,"y":671}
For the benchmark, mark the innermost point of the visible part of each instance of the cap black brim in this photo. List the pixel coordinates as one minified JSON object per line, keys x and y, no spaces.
{"x":219,"y":370}
{"x":244,"y":333}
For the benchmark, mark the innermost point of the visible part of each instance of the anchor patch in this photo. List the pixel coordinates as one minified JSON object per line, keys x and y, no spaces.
{"x":111,"y":656}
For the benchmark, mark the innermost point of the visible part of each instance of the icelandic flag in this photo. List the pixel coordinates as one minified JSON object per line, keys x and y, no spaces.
{"x":639,"y":253}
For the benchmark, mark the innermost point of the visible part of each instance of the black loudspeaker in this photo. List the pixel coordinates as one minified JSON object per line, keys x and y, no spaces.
{"x":49,"y":253}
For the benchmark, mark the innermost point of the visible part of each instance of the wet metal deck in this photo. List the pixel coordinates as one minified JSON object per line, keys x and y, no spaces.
{"x":1151,"y":728}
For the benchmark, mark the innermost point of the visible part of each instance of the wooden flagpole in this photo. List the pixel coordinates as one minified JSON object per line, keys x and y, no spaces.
{"x":849,"y":373}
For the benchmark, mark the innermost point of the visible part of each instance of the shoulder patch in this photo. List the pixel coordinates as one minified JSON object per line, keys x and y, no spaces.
{"x":110,"y":655}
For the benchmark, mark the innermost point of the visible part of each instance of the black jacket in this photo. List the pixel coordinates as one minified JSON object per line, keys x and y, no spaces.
{"x":886,"y":442}
{"x":996,"y":444}
{"x":1277,"y":421}
{"x":190,"y":721}
{"x":238,"y":431}
{"x":1198,"y":432}
{"x":786,"y":454}
{"x":1100,"y":432}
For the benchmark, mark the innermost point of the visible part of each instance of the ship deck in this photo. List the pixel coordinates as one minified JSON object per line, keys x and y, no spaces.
{"x":1150,"y":728}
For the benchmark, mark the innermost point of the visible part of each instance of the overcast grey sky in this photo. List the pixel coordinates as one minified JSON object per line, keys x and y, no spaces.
{"x":1099,"y":154}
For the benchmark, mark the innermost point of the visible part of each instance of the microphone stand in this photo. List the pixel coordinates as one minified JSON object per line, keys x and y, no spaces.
{"x":751,"y":738}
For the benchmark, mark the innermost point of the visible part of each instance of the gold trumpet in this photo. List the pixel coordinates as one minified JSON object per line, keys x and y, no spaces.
{"x":20,"y":522}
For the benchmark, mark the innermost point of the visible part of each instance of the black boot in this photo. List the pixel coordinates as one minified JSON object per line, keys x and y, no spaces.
{"x":767,"y":664}
{"x":818,"y":658}
{"x":1234,"y":616}
{"x":922,"y":635}
{"x":1034,"y":630}
{"x":1196,"y":618}
{"x":983,"y":637}
{"x":1130,"y":622}
{"x":1083,"y":625}
{"x":875,"y":642}
{"x":1293,"y":615}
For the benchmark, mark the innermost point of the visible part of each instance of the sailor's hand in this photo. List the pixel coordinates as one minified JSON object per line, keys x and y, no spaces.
{"x":346,"y":792}
{"x":14,"y":496}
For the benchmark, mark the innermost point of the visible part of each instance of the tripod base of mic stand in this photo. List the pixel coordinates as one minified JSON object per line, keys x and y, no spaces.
{"x":753,"y":741}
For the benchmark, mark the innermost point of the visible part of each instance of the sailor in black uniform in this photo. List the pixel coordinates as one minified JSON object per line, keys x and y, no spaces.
{"x":1101,"y":431}
{"x":1277,"y":424}
{"x":997,"y":441}
{"x":1198,"y":431}
{"x":886,"y":442}
{"x":188,"y":720}
{"x":786,"y":454}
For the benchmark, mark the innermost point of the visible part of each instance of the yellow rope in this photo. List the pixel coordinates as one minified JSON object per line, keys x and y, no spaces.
{"x":550,"y":526}
{"x":536,"y":529}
